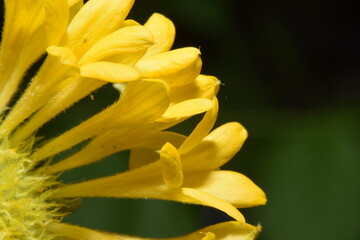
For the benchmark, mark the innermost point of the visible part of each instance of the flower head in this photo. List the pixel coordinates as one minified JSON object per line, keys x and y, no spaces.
{"x":88,"y":46}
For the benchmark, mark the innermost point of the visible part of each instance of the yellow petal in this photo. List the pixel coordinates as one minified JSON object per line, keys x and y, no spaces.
{"x":176,"y":67}
{"x":146,"y":182}
{"x":73,"y":232}
{"x":58,"y":71}
{"x":142,"y":156}
{"x":186,"y":109}
{"x":130,"y":22}
{"x":95,"y":20}
{"x":146,"y":154}
{"x":110,"y":72}
{"x":74,"y":7}
{"x":240,"y":191}
{"x":118,"y":140}
{"x":78,"y":89}
{"x":163,"y":31}
{"x":102,"y":145}
{"x":171,"y":166}
{"x":125,"y":45}
{"x":223,"y":231}
{"x":202,"y":87}
{"x":65,"y":55}
{"x":22,"y":19}
{"x":57,"y":16}
{"x":231,"y":230}
{"x":210,"y":200}
{"x":216,"y":149}
{"x":23,"y":42}
{"x":141,"y":102}
{"x":202,"y":129}
{"x":14,"y":67}
{"x":209,"y":236}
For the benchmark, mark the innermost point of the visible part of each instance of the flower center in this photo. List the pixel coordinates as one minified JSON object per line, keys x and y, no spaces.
{"x":25,"y":206}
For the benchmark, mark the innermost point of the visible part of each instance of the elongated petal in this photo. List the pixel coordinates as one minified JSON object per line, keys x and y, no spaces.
{"x":117,"y":140}
{"x":210,"y":200}
{"x":22,"y":19}
{"x":77,"y":90}
{"x":20,"y":59}
{"x":95,"y":20}
{"x":230,"y":186}
{"x":142,"y":156}
{"x":103,"y":145}
{"x":147,"y":182}
{"x":110,"y":72}
{"x":58,"y":71}
{"x":57,"y":16}
{"x":23,"y":42}
{"x":231,"y":230}
{"x":202,"y":87}
{"x":125,"y":45}
{"x":163,"y":31}
{"x":186,"y":109}
{"x":73,"y":232}
{"x":177,"y":67}
{"x":222,"y":231}
{"x":216,"y":149}
{"x":66,"y":55}
{"x":74,"y":7}
{"x":146,"y":154}
{"x":141,"y":102}
{"x":202,"y":129}
{"x":209,"y":236}
{"x":171,"y":166}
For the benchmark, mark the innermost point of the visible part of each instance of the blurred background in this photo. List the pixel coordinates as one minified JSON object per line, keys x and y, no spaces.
{"x":290,"y":74}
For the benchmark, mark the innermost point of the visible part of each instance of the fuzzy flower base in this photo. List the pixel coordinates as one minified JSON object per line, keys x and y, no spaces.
{"x":86,"y":46}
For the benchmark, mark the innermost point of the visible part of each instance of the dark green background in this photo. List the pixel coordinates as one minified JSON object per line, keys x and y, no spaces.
{"x":290,"y":74}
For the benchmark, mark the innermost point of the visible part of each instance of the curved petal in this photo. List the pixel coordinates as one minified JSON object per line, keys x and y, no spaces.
{"x":23,"y":42}
{"x":58,"y":71}
{"x":185,"y":109}
{"x":202,"y":129}
{"x":74,"y":7}
{"x":77,"y":90}
{"x":125,"y":45}
{"x":110,"y":72}
{"x":141,"y":102}
{"x":163,"y":31}
{"x":177,"y":67}
{"x":57,"y":16}
{"x":239,"y":191}
{"x":171,"y":166}
{"x":202,"y":87}
{"x":216,"y":149}
{"x":231,"y":230}
{"x":223,"y":231}
{"x":146,"y":182}
{"x":207,"y":199}
{"x":87,"y":26}
{"x":146,"y":153}
{"x":73,"y":232}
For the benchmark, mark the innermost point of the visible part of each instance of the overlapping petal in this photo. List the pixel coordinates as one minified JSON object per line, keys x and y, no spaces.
{"x":177,"y":67}
{"x":90,"y":45}
{"x":141,"y":102}
{"x":163,"y":31}
{"x":190,"y":177}
{"x":222,"y":231}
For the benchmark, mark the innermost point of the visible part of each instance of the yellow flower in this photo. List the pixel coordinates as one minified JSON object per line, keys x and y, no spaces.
{"x":87,"y":46}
